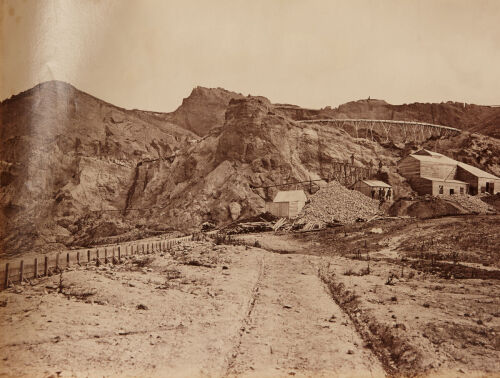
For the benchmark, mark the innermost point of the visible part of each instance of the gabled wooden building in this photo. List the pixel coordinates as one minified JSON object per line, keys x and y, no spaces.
{"x":429,"y":172}
{"x":479,"y":180}
{"x":287,"y":203}
{"x":375,"y":189}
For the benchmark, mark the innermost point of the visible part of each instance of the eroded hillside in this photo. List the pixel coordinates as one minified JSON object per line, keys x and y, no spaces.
{"x":77,"y":171}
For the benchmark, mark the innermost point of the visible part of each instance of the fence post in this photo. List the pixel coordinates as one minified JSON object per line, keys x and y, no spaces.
{"x":113,"y":255}
{"x":46,"y":266}
{"x":67,"y":260}
{"x":21,"y":271}
{"x":78,"y":258}
{"x":6,"y":279}
{"x":143,"y":249}
{"x":36,"y":268}
{"x":88,"y":255}
{"x":120,"y":254}
{"x":105,"y":255}
{"x":97,"y":262}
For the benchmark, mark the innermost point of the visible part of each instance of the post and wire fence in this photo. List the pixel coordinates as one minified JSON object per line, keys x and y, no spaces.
{"x":25,"y":270}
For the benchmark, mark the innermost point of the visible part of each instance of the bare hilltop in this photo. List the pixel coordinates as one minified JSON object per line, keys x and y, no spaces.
{"x":77,"y":171}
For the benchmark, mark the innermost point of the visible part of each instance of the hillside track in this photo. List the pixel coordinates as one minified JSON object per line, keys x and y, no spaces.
{"x":295,"y":327}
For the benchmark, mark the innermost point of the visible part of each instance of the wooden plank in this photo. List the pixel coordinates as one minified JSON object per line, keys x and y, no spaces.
{"x":6,"y":278}
{"x":21,"y":271}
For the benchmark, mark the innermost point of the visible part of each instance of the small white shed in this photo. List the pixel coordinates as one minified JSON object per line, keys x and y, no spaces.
{"x":287,"y":203}
{"x":374,"y":188}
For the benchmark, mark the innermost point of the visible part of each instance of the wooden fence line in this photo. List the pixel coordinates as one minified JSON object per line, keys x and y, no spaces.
{"x":25,"y":272}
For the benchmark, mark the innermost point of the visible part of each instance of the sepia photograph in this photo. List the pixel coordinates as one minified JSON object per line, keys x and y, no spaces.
{"x":250,"y":188}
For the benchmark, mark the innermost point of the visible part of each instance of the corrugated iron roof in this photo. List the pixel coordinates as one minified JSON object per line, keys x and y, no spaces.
{"x":290,"y":196}
{"x":377,"y":183}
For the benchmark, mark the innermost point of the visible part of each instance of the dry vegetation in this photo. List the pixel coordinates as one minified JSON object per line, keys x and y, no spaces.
{"x":424,"y":294}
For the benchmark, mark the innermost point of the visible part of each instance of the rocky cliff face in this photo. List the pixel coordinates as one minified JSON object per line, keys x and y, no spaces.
{"x":203,"y":110}
{"x":75,"y":170}
{"x":65,"y":155}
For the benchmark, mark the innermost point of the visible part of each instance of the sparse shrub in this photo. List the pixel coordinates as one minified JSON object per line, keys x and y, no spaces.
{"x":349,"y":272}
{"x":60,"y":287}
{"x":146,"y":261}
{"x":172,"y":274}
{"x":256,"y":244}
{"x":390,"y":279}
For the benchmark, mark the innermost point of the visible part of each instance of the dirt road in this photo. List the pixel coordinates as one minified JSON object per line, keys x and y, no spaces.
{"x":294,"y":327}
{"x":200,"y":310}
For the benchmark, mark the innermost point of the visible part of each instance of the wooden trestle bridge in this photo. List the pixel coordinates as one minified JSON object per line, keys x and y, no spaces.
{"x":404,"y":131}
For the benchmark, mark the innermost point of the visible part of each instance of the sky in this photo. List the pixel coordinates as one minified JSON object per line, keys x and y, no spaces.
{"x":149,"y":54}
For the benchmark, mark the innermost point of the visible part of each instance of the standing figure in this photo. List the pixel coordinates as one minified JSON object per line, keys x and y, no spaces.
{"x":373,"y":193}
{"x":388,"y":196}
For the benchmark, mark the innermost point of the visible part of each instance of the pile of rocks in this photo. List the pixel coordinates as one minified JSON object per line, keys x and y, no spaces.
{"x":200,"y":253}
{"x":470,"y":203}
{"x":335,"y":203}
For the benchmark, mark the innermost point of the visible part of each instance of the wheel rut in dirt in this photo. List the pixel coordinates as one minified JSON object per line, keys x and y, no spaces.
{"x":294,"y":327}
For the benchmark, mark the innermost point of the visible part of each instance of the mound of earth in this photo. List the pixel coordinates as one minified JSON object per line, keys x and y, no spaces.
{"x":493,"y":201}
{"x":444,"y":205}
{"x":425,"y":207}
{"x":335,"y":203}
{"x":471,"y":204}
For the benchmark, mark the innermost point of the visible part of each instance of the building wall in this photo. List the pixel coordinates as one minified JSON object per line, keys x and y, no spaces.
{"x":469,"y":178}
{"x":278,"y":209}
{"x":409,"y":167}
{"x":421,"y":186}
{"x":363,"y":188}
{"x":477,"y":184}
{"x":285,"y":209}
{"x":367,"y":189}
{"x":437,"y":170}
{"x":492,"y":182}
{"x":446,"y":188}
{"x":295,"y":208}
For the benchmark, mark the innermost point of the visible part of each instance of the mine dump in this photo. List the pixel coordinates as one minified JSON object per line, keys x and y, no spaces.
{"x":238,"y":237}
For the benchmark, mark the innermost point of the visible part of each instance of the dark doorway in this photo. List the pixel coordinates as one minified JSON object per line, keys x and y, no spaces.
{"x":490,"y":188}
{"x":452,"y":191}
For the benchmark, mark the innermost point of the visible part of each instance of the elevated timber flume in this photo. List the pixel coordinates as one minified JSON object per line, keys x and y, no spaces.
{"x":405,"y":130}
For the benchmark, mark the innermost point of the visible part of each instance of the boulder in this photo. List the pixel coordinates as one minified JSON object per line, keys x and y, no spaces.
{"x":234,"y":210}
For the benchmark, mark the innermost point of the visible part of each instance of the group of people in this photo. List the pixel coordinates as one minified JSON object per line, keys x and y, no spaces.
{"x":382,"y":194}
